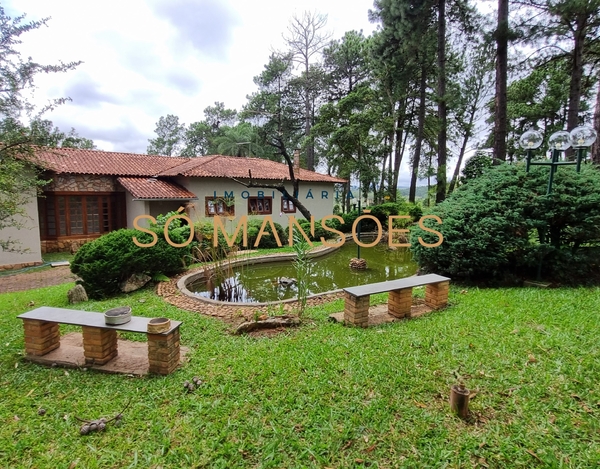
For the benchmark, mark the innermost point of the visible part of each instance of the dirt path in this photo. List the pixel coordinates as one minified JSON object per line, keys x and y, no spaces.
{"x":36,"y":279}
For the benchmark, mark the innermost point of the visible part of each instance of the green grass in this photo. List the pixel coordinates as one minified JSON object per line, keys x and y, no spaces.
{"x":325,"y":395}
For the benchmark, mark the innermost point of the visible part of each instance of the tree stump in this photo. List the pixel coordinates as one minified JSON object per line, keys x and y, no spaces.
{"x":358,"y":264}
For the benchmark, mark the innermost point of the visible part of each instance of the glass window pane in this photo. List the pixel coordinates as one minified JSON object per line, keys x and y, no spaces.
{"x":62,"y":216}
{"x":76,"y":215}
{"x":93,"y":215}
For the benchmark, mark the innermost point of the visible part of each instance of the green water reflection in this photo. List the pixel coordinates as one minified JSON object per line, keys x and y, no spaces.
{"x":261,"y":282}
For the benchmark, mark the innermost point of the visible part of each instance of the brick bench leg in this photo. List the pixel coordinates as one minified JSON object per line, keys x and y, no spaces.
{"x":436,"y":295}
{"x":163,"y":352}
{"x":41,"y":337}
{"x":356,"y":310}
{"x":400,"y":302}
{"x":99,"y":345}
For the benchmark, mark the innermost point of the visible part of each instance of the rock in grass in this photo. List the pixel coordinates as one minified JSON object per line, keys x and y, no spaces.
{"x":135,"y":282}
{"x":77,"y":294}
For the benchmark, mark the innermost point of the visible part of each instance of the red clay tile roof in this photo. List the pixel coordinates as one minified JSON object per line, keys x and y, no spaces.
{"x":76,"y":161}
{"x":220,"y":166}
{"x":152,"y":188}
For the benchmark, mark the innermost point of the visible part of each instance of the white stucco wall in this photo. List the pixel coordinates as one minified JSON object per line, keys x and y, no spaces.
{"x":134,"y":209}
{"x":28,"y":237}
{"x":318,"y":197}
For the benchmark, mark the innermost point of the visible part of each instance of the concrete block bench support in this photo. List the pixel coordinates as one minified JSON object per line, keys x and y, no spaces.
{"x":356,"y":306}
{"x":42,"y":335}
{"x":99,"y":345}
{"x":163,"y":352}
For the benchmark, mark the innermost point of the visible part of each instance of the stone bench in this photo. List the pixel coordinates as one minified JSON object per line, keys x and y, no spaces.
{"x":356,"y":299}
{"x":42,"y":335}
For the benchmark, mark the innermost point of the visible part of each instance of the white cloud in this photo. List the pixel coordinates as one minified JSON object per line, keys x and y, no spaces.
{"x":143,"y":59}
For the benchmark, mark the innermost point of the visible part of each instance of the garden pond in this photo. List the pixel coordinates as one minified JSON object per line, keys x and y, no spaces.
{"x":274,"y":281}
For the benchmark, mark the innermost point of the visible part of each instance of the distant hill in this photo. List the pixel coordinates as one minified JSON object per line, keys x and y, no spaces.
{"x":421,"y":192}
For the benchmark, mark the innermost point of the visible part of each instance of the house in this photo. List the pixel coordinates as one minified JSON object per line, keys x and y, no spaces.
{"x":94,"y":192}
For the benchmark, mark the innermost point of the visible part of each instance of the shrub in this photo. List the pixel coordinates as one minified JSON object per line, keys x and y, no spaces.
{"x":107,"y":261}
{"x":502,"y":224}
{"x":267,"y":240}
{"x":320,"y":232}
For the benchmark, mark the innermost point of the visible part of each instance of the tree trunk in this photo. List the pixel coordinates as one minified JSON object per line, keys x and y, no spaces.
{"x":442,"y":111}
{"x":397,"y":157}
{"x":310,"y":155}
{"x":576,"y":76}
{"x":419,"y":142}
{"x":467,"y":136}
{"x":500,"y":120}
{"x":596,"y":146}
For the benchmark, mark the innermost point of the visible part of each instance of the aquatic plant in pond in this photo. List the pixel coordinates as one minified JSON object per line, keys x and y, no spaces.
{"x":267,"y":282}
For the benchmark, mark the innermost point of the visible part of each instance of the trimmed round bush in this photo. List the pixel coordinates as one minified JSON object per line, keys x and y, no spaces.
{"x":109,"y":260}
{"x":267,"y":240}
{"x":502,"y":225}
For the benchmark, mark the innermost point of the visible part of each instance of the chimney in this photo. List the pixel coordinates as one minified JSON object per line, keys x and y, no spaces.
{"x":296,"y":161}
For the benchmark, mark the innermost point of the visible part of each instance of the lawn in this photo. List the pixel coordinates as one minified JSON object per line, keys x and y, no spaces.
{"x":324,"y":395}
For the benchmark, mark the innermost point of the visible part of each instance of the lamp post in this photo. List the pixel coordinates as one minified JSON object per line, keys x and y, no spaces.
{"x":580,"y":138}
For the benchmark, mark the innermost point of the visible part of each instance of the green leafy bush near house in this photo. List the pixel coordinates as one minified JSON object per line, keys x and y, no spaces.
{"x":267,"y":240}
{"x":502,"y":225}
{"x":109,"y":260}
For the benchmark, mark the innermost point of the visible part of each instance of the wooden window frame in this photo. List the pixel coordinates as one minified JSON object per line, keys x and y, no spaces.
{"x":259,"y":205}
{"x":228,"y":211}
{"x":286,"y":203}
{"x":116,"y":216}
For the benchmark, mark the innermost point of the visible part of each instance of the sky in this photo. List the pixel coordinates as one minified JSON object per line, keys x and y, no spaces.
{"x":143,"y":59}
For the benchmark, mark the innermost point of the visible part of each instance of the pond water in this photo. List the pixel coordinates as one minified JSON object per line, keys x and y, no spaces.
{"x":267,"y":282}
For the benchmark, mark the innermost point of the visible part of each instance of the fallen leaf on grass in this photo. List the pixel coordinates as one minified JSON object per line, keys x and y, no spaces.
{"x":347,"y":445}
{"x":420,"y":404}
{"x":73,"y":464}
{"x":371,"y":448}
{"x":359,"y":461}
{"x":531,"y":358}
{"x":16,"y":418}
{"x":534,"y":455}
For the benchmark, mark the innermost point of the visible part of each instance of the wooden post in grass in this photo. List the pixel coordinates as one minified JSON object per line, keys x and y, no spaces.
{"x":459,"y":400}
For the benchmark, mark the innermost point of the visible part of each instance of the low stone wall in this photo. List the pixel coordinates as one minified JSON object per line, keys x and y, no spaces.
{"x":63,"y":245}
{"x":19,"y":266}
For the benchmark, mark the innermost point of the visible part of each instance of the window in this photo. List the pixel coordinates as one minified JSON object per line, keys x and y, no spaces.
{"x":219,"y":206}
{"x":287,"y":206}
{"x":259,"y":205}
{"x":63,"y":215}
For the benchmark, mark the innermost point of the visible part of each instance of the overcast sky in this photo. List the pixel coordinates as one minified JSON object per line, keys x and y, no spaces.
{"x":143,"y":59}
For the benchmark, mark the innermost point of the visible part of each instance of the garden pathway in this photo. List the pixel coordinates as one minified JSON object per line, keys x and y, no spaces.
{"x":36,"y":278}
